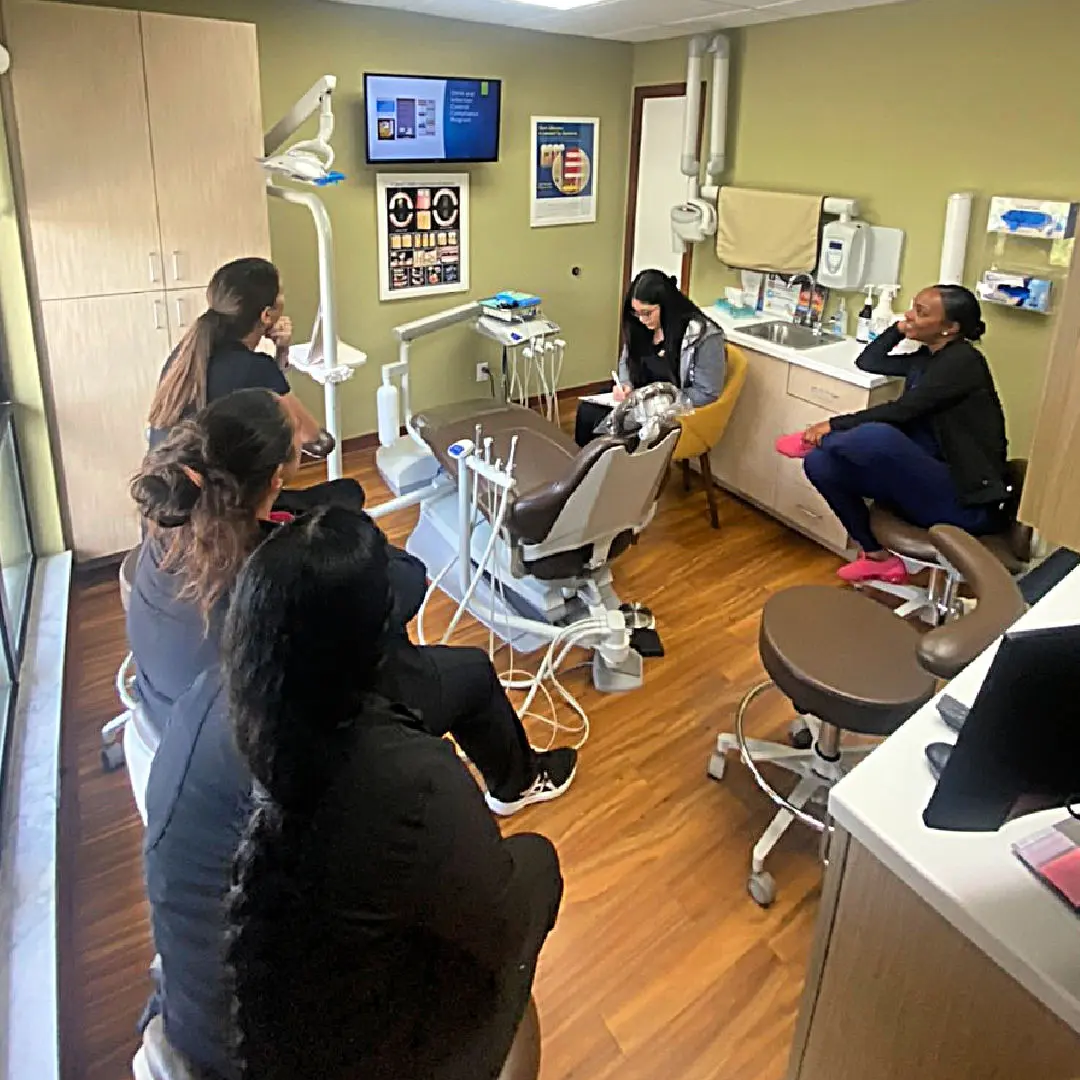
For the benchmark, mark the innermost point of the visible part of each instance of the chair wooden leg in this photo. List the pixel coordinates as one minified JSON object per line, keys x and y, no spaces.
{"x":686,"y":475}
{"x":710,"y":490}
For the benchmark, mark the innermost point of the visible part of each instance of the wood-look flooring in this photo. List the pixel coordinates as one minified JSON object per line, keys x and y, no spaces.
{"x":661,"y":967}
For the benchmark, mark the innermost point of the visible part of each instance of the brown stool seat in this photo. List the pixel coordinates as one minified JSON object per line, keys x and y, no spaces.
{"x":843,"y":658}
{"x":907,"y":539}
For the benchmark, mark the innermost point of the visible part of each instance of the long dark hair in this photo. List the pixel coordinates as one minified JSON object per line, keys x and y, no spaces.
{"x":200,"y":488}
{"x":676,"y":312}
{"x":238,"y":293}
{"x":296,"y":687}
{"x":962,"y":307}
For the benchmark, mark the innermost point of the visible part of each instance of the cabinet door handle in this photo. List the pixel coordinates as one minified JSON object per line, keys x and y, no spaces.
{"x":177,"y":275}
{"x":159,"y":315}
{"x":181,"y":322}
{"x":155,"y":268}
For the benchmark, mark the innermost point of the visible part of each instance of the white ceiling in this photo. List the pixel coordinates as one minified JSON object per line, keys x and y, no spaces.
{"x":623,"y":20}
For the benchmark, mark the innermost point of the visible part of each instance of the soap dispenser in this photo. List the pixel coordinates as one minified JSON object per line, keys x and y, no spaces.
{"x":862,"y":327}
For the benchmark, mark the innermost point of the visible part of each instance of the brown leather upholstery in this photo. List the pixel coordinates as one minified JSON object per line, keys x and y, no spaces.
{"x":998,"y":604}
{"x":1012,"y":547}
{"x":523,"y":1061}
{"x":844,"y":658}
{"x":127,"y":576}
{"x":549,"y":465}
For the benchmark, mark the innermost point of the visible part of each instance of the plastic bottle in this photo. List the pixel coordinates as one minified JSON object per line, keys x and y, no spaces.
{"x":388,"y":412}
{"x":883,"y":315}
{"x":862,"y":327}
{"x":838,"y":319}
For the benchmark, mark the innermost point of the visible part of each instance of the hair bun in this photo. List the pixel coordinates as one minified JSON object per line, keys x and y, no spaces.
{"x":166,"y":496}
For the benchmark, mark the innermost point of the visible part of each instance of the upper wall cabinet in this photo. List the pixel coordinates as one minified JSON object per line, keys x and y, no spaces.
{"x":84,"y":140}
{"x":207,"y":138}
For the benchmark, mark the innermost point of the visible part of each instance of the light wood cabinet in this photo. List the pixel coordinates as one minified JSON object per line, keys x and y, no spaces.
{"x":138,"y":137}
{"x":207,"y":139}
{"x":84,"y":141}
{"x":780,"y":397}
{"x":101,"y":420}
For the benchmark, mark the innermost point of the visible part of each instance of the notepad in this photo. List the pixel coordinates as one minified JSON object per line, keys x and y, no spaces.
{"x":1053,"y":856}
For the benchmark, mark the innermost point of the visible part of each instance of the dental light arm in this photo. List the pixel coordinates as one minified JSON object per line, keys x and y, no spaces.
{"x":310,"y":160}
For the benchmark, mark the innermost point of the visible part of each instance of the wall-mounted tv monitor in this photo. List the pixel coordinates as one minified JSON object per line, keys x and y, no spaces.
{"x":413,"y":120}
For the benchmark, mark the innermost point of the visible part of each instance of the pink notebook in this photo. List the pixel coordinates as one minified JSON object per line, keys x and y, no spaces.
{"x":1053,"y":856}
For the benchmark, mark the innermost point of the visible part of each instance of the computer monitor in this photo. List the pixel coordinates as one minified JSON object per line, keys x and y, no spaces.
{"x":1021,"y":739}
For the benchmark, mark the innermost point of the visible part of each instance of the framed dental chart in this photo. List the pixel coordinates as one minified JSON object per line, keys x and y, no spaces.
{"x":423,"y":234}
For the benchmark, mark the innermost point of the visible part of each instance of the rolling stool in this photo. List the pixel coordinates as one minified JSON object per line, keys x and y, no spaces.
{"x":157,"y":1060}
{"x":112,"y":747}
{"x":848,"y":664}
{"x":1013,"y":547}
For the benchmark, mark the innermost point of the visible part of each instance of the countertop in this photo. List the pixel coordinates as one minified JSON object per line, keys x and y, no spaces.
{"x":836,"y":360}
{"x":972,"y":879}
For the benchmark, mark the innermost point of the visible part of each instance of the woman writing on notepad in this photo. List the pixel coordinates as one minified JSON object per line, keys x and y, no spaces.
{"x":666,"y":338}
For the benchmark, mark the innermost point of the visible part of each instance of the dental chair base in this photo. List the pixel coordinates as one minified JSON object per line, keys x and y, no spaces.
{"x":406,"y":466}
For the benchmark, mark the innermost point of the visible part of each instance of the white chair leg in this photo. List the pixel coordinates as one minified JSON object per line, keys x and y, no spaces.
{"x":804,"y":789}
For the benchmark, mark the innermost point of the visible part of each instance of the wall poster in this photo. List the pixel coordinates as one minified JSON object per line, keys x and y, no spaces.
{"x":562,"y":187}
{"x":423,"y":234}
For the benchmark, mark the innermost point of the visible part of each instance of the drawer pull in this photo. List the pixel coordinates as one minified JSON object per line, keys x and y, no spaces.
{"x":824,"y":393}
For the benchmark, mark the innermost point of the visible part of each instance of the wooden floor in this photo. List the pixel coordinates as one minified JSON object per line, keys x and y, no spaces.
{"x":661,"y":967}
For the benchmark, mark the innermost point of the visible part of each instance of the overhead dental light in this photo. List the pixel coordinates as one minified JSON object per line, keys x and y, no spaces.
{"x":324,"y":358}
{"x":309,"y":161}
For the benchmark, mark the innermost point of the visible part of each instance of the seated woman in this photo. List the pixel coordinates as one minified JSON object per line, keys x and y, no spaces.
{"x":207,"y":492}
{"x":219,"y":354}
{"x":934,"y":456}
{"x":381,"y":926}
{"x":666,"y":338}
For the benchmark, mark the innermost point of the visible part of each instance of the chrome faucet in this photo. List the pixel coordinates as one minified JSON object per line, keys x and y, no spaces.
{"x":809,"y":320}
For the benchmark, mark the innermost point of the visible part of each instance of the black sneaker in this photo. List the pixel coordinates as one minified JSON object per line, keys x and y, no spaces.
{"x":555,"y":773}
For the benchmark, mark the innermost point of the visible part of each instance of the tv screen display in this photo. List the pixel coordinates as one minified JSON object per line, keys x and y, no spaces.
{"x":420,"y":119}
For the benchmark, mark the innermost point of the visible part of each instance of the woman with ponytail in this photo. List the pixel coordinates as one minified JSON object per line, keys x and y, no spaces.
{"x":380,"y":926}
{"x":220,"y":354}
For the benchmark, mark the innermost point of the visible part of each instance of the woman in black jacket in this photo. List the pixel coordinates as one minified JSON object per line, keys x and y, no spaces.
{"x":934,"y":456}
{"x":381,"y":927}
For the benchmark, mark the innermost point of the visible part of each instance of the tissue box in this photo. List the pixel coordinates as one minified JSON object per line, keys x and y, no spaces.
{"x":1015,"y":290}
{"x":1032,"y":217}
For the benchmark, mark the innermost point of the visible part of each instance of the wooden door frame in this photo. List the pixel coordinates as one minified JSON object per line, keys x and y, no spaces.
{"x":641,"y":95}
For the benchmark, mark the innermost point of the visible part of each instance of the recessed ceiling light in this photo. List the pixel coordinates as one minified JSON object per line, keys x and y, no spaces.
{"x":558,"y":5}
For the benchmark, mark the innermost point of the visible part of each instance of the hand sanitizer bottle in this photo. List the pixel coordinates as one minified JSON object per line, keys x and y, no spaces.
{"x":838,"y":319}
{"x":883,"y":315}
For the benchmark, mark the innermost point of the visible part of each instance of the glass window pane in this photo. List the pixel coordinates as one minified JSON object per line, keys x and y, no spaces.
{"x":16,"y":553}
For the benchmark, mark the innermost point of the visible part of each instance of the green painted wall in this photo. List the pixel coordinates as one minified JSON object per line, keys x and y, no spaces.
{"x":17,"y":332}
{"x":299,"y":40}
{"x":900,"y":105}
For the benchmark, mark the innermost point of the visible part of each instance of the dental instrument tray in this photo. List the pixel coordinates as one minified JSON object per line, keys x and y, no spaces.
{"x":511,"y":306}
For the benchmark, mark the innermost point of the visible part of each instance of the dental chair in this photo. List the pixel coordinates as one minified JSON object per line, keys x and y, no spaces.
{"x":537,"y":570}
{"x":1013,"y":547}
{"x":847,"y":664}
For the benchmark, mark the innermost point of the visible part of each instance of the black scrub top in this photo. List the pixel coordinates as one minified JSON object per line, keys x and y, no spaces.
{"x":233,"y":367}
{"x":656,"y":367}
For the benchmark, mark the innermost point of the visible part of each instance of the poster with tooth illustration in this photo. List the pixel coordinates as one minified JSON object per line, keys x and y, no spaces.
{"x":562,"y":186}
{"x":423,"y":222}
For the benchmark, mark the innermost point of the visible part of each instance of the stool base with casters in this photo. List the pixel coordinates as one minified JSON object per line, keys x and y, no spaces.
{"x":818,"y":765}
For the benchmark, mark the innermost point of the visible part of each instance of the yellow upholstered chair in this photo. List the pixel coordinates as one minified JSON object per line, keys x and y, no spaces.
{"x":704,"y":427}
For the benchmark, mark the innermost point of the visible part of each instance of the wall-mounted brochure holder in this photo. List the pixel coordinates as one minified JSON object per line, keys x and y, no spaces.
{"x":1027,"y":253}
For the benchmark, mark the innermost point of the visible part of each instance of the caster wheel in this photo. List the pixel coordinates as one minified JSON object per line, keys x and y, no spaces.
{"x":112,"y":757}
{"x":799,"y":734}
{"x":762,"y":888}
{"x":717,"y":766}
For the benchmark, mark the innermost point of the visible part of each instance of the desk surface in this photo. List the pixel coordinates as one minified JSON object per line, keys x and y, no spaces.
{"x":972,"y":879}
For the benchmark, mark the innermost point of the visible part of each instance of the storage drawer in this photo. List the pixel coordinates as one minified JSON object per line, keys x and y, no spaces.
{"x":799,"y":502}
{"x":833,"y":394}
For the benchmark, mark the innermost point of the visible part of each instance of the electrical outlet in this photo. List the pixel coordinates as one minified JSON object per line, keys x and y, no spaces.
{"x":483,"y":372}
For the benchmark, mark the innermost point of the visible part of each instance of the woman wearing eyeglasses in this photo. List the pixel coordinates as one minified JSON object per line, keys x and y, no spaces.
{"x":666,"y":338}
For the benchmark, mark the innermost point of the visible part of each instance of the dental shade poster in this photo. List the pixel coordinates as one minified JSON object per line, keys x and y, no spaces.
{"x":423,"y":225}
{"x":563,"y":175}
